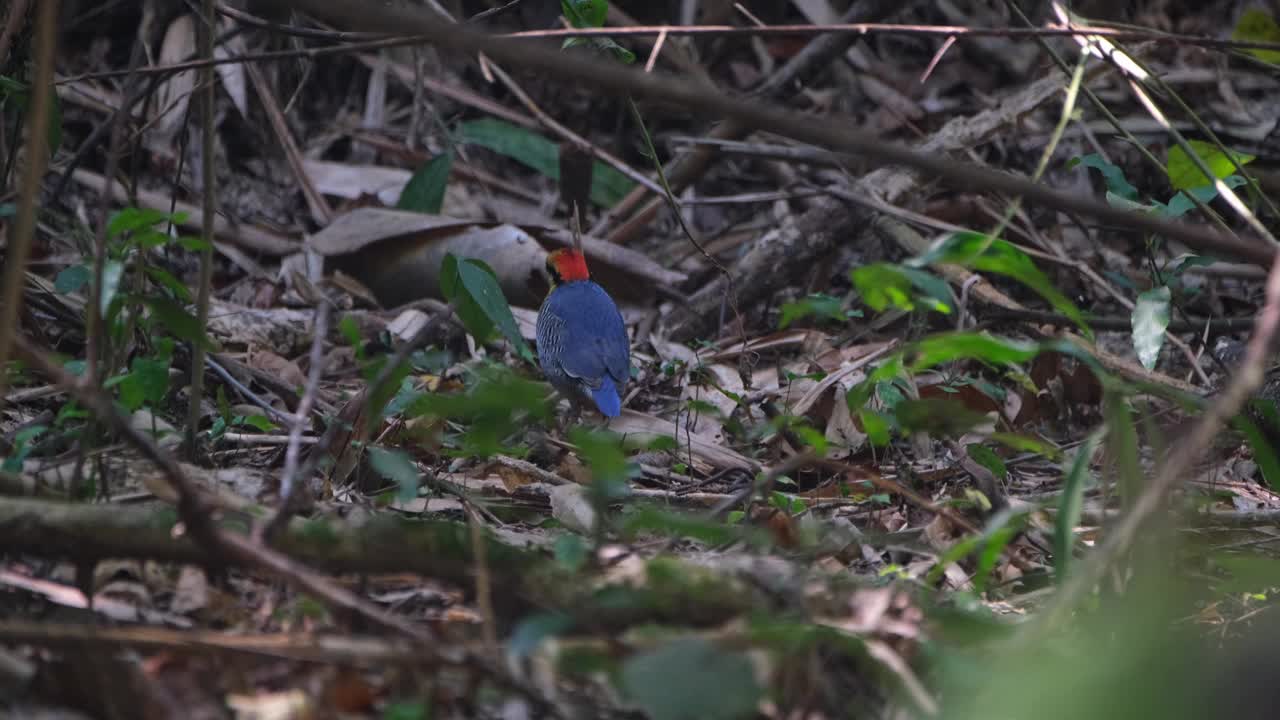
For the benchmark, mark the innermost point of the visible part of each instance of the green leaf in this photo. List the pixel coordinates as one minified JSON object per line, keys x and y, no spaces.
{"x":1150,"y":319}
{"x":1077,"y":480}
{"x":71,"y":279}
{"x":1183,"y":173}
{"x":22,"y":441}
{"x":1025,"y":444}
{"x":257,"y":422}
{"x":166,"y":280}
{"x":496,"y":405}
{"x":20,"y":94}
{"x":875,"y":426}
{"x":404,"y":397}
{"x":532,"y":630}
{"x":181,"y":323}
{"x":603,"y":453}
{"x":416,"y":710}
{"x":146,"y":383}
{"x":662,"y":443}
{"x":396,"y":466}
{"x":1112,"y":175}
{"x":884,"y":285}
{"x":814,"y":439}
{"x":1257,"y":25}
{"x":473,"y":288}
{"x":987,"y":458}
{"x":823,"y":306}
{"x":987,"y":254}
{"x":675,"y":682}
{"x":469,"y":311}
{"x":570,"y":552}
{"x":999,"y":530}
{"x":945,"y":347}
{"x":937,"y":416}
{"x":424,"y":192}
{"x":481,"y":284}
{"x":1264,"y":453}
{"x":1180,"y":203}
{"x":1186,"y":261}
{"x":131,"y":219}
{"x":1122,"y":443}
{"x":112,"y":271}
{"x":350,"y":331}
{"x":585,"y":13}
{"x":192,"y":243}
{"x":608,"y":186}
{"x":602,"y":44}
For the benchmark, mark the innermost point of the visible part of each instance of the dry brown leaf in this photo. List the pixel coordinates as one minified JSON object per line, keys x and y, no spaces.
{"x":287,"y":370}
{"x":284,"y":330}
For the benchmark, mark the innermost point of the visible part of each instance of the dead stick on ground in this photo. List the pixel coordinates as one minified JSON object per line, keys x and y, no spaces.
{"x":301,"y":418}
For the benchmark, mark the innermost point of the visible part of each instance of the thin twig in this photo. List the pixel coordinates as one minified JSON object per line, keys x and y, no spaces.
{"x":391,"y":41}
{"x":22,"y":231}
{"x":492,"y":12}
{"x":319,"y":329}
{"x":389,"y":368}
{"x":208,"y":208}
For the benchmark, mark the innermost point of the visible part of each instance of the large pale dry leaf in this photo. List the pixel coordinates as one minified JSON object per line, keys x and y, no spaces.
{"x":232,"y":75}
{"x":645,"y":428}
{"x":354,"y":181}
{"x":843,"y":435}
{"x":571,"y":506}
{"x":407,"y":324}
{"x":527,"y":322}
{"x":671,"y":352}
{"x":283,"y":705}
{"x":397,"y":254}
{"x":192,"y":591}
{"x":173,"y":95}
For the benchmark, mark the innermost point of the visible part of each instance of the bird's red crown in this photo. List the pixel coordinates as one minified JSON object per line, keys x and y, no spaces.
{"x":567,"y":265}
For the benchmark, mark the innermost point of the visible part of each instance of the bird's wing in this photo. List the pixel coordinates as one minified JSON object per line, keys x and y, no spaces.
{"x":594,"y":338}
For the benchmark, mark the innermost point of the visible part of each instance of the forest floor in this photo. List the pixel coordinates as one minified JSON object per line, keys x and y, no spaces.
{"x":950,"y":384}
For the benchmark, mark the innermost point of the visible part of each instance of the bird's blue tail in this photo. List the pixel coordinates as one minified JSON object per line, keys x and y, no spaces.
{"x":606,"y":397}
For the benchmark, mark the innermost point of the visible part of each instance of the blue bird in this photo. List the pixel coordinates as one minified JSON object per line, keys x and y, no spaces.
{"x":582,"y":342}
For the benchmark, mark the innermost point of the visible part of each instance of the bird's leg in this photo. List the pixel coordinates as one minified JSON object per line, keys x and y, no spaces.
{"x":575,"y":411}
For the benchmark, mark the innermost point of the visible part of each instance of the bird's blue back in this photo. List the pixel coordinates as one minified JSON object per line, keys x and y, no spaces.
{"x":592,"y":336}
